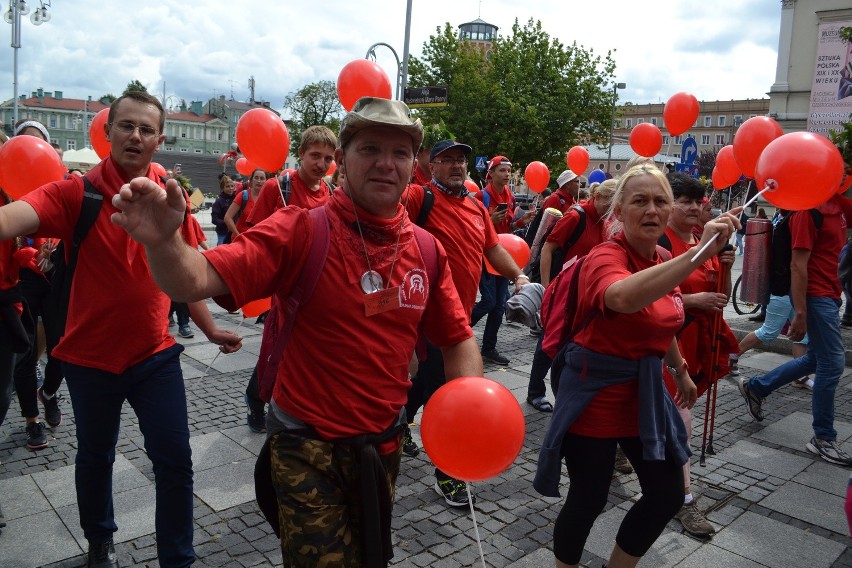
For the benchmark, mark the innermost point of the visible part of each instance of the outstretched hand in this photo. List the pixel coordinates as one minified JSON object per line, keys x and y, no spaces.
{"x":148,"y":214}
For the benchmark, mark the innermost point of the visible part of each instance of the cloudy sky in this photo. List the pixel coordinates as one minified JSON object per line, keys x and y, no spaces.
{"x":717,"y":50}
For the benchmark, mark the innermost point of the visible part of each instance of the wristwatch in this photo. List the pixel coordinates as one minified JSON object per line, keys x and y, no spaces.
{"x":676,"y":371}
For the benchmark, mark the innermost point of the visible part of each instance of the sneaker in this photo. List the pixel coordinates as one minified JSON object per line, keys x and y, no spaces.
{"x":36,"y":436}
{"x":536,"y":332}
{"x":454,"y":492}
{"x":256,"y":417}
{"x":734,"y":366}
{"x":829,"y":451}
{"x":753,"y":401}
{"x":805,"y":383}
{"x":172,"y":322}
{"x":185,"y":331}
{"x":622,"y":464}
{"x":102,"y":555}
{"x":494,"y":355}
{"x":409,"y":446}
{"x":52,"y":413}
{"x":693,"y":520}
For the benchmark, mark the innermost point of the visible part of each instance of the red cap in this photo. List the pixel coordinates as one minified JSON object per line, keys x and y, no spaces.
{"x":498,"y":161}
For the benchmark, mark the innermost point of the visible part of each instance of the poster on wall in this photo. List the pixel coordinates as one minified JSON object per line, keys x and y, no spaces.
{"x":831,"y":91}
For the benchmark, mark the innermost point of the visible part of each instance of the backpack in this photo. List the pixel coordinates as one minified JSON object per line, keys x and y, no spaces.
{"x":781,"y":253}
{"x":242,"y":205}
{"x":276,"y":335}
{"x":559,"y":307}
{"x":429,"y":202}
{"x":558,"y":256}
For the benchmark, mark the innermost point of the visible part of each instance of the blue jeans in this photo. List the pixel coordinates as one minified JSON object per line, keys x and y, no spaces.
{"x":155,"y":390}
{"x":494,"y":291}
{"x":825,"y":357}
{"x":540,"y":367}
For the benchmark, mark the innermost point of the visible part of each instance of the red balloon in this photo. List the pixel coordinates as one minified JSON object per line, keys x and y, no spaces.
{"x":517,"y":248}
{"x":472,"y":428}
{"x":26,"y":163}
{"x":97,"y":135}
{"x":263,"y":139}
{"x":802,"y":170}
{"x":158,"y":169}
{"x":577,"y":160}
{"x":537,"y":176}
{"x":646,"y":139}
{"x":471,"y":186}
{"x":256,"y":307}
{"x":244,"y":167}
{"x":362,"y":78}
{"x":751,"y":138}
{"x":680,"y":113}
{"x":729,"y":171}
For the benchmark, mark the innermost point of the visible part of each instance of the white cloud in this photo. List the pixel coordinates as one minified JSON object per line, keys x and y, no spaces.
{"x":716,"y":50}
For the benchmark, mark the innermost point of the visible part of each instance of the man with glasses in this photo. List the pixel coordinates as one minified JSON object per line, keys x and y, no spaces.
{"x":462,"y":225}
{"x":103,"y":364}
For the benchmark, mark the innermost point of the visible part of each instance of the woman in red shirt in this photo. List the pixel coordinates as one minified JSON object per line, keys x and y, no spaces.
{"x":238,"y":212}
{"x":611,"y":389}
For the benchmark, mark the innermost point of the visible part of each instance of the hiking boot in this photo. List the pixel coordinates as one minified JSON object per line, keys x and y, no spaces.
{"x":454,"y":492}
{"x":805,"y":383}
{"x":622,"y":464}
{"x":753,"y":402}
{"x":185,"y":331}
{"x":102,"y":555}
{"x":52,"y":413}
{"x":36,"y":436}
{"x":693,"y":520}
{"x":409,"y":446}
{"x":829,"y":451}
{"x":256,"y":417}
{"x":494,"y":355}
{"x":734,"y":366}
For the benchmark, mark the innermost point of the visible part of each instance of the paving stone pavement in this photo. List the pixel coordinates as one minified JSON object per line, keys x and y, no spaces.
{"x":773,"y":503}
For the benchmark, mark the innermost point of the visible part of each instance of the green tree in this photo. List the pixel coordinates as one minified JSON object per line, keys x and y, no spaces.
{"x":135,"y":85}
{"x":531,"y":98}
{"x":108,"y":98}
{"x":313,"y":104}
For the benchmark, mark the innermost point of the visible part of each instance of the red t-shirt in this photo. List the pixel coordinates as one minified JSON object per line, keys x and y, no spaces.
{"x":614,"y":411}
{"x":592,"y":235}
{"x":559,"y":199}
{"x":825,"y":245}
{"x":197,"y":231}
{"x":270,"y":200}
{"x":242,"y":222}
{"x":420,"y":177}
{"x":496,"y":199}
{"x":462,"y":225}
{"x":344,"y":373}
{"x":117,"y":315}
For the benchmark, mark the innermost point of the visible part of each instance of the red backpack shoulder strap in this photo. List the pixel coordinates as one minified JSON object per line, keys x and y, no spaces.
{"x":429,"y":251}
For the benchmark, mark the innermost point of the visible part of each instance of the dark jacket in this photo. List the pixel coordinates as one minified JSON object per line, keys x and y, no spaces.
{"x":220,"y":207}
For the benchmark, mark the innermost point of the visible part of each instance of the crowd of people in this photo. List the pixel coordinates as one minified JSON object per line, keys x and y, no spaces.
{"x":413,"y":260}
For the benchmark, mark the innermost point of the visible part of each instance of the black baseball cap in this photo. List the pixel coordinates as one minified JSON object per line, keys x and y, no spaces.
{"x":444,"y":145}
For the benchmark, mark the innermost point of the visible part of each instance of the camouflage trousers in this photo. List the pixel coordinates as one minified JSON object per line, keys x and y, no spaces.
{"x":319,"y":501}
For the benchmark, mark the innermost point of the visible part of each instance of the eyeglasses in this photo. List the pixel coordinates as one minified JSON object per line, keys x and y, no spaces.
{"x":145,"y":131}
{"x":451,"y":161}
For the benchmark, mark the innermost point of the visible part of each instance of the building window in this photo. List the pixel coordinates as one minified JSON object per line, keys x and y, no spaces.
{"x":722,"y":119}
{"x":617,"y":123}
{"x":184,"y":150}
{"x":738,"y":120}
{"x":169,"y":148}
{"x":617,"y":167}
{"x":53,"y":122}
{"x":678,"y":139}
{"x":640,"y":120}
{"x":665,"y":140}
{"x":199,"y":151}
{"x":628,"y":122}
{"x":708,"y":121}
{"x":752,"y":115}
{"x":654,"y":120}
{"x":720,"y":139}
{"x":601,"y":167}
{"x":183,"y":134}
{"x":705,"y":139}
{"x":70,"y":144}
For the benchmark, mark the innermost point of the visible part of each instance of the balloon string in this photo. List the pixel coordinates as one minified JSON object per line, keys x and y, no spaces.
{"x":475,"y":526}
{"x":747,"y":203}
{"x":220,"y":352}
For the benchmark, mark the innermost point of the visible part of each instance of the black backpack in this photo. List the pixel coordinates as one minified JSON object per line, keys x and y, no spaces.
{"x":781,"y":253}
{"x":558,"y":256}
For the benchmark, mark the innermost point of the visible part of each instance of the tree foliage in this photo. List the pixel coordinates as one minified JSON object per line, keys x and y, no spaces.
{"x":532,"y":98}
{"x":313,"y":104}
{"x":135,"y":85}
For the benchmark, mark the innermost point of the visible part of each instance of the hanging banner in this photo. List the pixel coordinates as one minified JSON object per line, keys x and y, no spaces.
{"x":831,"y":91}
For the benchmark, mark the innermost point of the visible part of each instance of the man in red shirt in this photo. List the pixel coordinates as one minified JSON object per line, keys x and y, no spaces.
{"x":566,"y":196}
{"x":815,"y":294}
{"x":104,"y":364}
{"x":307,"y":188}
{"x":337,"y":403}
{"x":494,"y":290}
{"x":462,"y":225}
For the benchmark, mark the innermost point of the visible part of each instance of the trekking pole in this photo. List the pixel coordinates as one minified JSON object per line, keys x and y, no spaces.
{"x":220,"y":351}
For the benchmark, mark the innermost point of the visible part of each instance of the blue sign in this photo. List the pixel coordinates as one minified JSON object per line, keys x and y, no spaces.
{"x":689,"y":151}
{"x":481,"y":163}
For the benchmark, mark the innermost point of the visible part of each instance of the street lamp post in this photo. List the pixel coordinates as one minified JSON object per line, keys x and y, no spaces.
{"x":18,"y":8}
{"x":371,"y":54}
{"x":615,"y":88}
